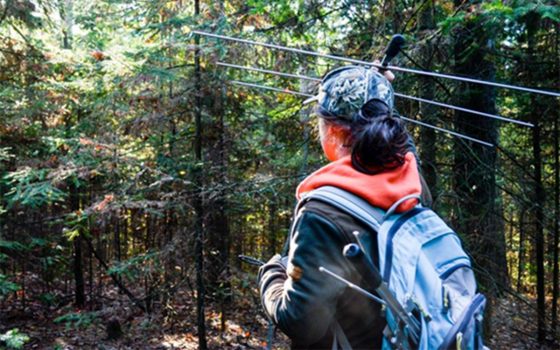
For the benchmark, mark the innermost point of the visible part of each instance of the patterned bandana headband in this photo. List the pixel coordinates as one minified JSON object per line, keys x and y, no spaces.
{"x":344,"y":91}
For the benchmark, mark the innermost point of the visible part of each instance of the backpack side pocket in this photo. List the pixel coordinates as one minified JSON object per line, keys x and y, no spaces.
{"x":466,"y":333}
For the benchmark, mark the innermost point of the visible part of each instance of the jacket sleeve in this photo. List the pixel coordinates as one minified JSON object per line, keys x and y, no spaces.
{"x":301,"y":300}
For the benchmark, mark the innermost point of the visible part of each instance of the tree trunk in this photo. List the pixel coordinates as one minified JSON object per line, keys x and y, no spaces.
{"x":217,"y":226}
{"x":304,"y":115}
{"x":555,"y":280}
{"x":117,"y":236}
{"x":272,"y":226}
{"x":555,"y":273}
{"x":480,"y":221}
{"x":199,"y":241}
{"x":555,"y":233}
{"x":428,"y":136}
{"x":521,"y":250}
{"x":532,"y":19}
{"x":67,"y":14}
{"x":77,"y":266}
{"x":539,"y":201}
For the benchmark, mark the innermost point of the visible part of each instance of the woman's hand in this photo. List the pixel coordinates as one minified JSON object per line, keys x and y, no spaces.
{"x":387,"y":74}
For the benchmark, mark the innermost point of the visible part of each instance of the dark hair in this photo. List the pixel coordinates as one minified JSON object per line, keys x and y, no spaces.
{"x":379,"y":139}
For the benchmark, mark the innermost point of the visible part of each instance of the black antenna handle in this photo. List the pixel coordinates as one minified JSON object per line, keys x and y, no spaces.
{"x":250,"y":260}
{"x":394,"y":47}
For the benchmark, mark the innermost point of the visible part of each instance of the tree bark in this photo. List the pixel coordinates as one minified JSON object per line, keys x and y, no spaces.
{"x":67,"y":14}
{"x":521,"y":250}
{"x":555,"y":273}
{"x":481,"y":222}
{"x":539,"y":200}
{"x":555,"y":279}
{"x":428,"y":136}
{"x":273,"y":213}
{"x":532,"y":22}
{"x":217,"y":223}
{"x":199,"y":241}
{"x":78,"y":270}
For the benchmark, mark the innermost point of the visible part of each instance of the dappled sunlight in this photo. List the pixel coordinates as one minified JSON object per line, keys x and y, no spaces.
{"x":145,"y":145}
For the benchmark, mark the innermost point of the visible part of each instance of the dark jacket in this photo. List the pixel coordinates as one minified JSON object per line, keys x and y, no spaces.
{"x":305,"y":302}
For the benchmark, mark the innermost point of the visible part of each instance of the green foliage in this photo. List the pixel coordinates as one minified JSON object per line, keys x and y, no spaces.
{"x":551,"y":12}
{"x":451,"y":22}
{"x":12,"y":245}
{"x":6,"y":286}
{"x":47,"y":299}
{"x":21,"y":10}
{"x":14,"y":339}
{"x":114,"y":117}
{"x":77,"y":320}
{"x":520,"y":9}
{"x":30,"y":187}
{"x":5,"y":154}
{"x":136,"y":267}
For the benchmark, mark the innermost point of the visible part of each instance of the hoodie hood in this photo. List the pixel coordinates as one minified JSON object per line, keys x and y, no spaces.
{"x":380,"y":190}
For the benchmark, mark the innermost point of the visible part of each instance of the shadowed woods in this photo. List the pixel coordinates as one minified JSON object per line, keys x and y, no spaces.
{"x":132,"y":173}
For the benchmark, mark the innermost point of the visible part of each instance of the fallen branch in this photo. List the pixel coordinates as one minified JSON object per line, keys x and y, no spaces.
{"x":118,"y":283}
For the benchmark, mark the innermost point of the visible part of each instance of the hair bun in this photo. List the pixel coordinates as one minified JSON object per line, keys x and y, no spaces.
{"x":375,"y":108}
{"x":380,"y":139}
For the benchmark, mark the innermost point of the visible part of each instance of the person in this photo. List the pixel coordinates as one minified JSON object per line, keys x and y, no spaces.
{"x":371,"y":155}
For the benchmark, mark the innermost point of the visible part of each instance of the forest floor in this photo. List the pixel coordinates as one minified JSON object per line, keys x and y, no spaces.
{"x":244,"y":326}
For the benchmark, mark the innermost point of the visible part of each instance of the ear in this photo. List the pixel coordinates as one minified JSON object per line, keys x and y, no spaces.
{"x":337,"y":133}
{"x":334,"y":141}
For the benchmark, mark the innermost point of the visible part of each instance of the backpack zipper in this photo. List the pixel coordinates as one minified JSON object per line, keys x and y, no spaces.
{"x":452,"y":269}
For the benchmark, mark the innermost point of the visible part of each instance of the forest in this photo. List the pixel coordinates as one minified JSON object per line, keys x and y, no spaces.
{"x":135,"y":167}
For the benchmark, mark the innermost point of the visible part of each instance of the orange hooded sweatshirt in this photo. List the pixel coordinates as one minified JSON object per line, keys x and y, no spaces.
{"x":380,"y":190}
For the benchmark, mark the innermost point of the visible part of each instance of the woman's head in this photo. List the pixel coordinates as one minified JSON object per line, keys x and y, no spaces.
{"x":355,"y":106}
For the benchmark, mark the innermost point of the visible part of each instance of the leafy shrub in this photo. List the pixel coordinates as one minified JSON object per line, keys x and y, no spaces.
{"x":14,"y":339}
{"x":77,"y":320}
{"x":6,"y":286}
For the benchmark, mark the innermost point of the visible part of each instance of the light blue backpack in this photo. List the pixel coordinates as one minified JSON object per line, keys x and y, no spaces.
{"x":422,"y":263}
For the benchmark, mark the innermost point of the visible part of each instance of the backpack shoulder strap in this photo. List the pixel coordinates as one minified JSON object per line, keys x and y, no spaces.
{"x":349,"y":203}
